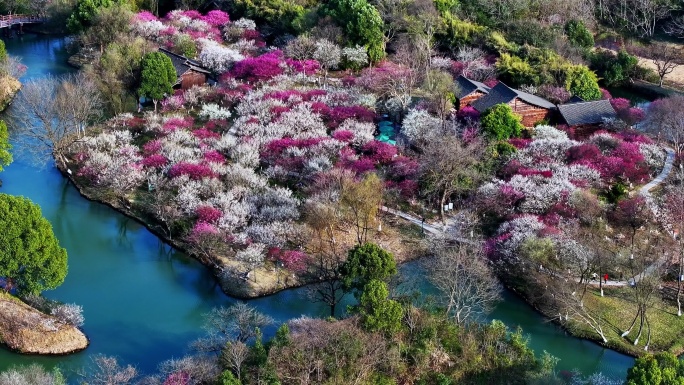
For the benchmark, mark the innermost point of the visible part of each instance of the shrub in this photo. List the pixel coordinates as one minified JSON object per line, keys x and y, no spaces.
{"x":582,"y":82}
{"x":578,"y":34}
{"x":500,"y":123}
{"x":259,"y":68}
{"x":613,"y":69}
{"x":516,"y":71}
{"x":530,"y":32}
{"x":154,"y":161}
{"x":208,"y":214}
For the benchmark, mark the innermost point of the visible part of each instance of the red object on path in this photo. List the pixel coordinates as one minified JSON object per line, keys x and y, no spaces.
{"x":605,"y":278}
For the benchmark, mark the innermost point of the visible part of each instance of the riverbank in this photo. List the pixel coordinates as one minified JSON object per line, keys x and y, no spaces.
{"x":401,"y":239}
{"x":9,"y":87}
{"x":26,"y":330}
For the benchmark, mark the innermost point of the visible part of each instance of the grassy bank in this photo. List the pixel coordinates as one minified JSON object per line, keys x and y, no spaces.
{"x":618,"y":310}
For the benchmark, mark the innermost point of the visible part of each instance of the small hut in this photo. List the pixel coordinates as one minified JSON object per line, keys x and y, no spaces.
{"x":189,"y":72}
{"x":530,"y":107}
{"x":468,"y":91}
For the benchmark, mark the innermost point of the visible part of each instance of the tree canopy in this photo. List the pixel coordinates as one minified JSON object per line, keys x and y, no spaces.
{"x":362,"y":23}
{"x":158,"y":76}
{"x":31,"y":259}
{"x":85,"y":11}
{"x":660,"y":369}
{"x":5,"y":146}
{"x":500,"y":123}
{"x":379,"y":313}
{"x":582,"y":82}
{"x":365,"y":263}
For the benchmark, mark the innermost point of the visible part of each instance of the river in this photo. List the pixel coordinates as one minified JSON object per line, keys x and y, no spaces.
{"x":143,"y":301}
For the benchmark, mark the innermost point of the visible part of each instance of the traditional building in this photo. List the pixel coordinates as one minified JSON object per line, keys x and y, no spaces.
{"x":189,"y":71}
{"x":468,"y":91}
{"x":531,"y":108}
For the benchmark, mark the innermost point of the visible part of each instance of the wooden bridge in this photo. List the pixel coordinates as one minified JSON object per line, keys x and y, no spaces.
{"x":10,"y":20}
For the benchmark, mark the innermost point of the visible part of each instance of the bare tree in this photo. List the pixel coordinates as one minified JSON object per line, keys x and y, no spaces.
{"x":665,"y":57}
{"x":328,"y":55}
{"x":12,"y":67}
{"x":450,"y":166}
{"x":421,"y":29}
{"x":158,"y":201}
{"x":675,"y":27}
{"x":665,"y":119}
{"x":33,"y":374}
{"x":475,"y":64}
{"x":328,"y":352}
{"x":360,"y":204}
{"x":105,"y":370}
{"x":239,"y":322}
{"x":51,"y":114}
{"x":394,"y":15}
{"x":439,"y":86}
{"x":234,"y":355}
{"x":301,"y":48}
{"x":640,"y":17}
{"x":569,"y":294}
{"x":644,"y":249}
{"x":467,"y":286}
{"x":197,"y":369}
{"x":674,"y":218}
{"x":327,"y":253}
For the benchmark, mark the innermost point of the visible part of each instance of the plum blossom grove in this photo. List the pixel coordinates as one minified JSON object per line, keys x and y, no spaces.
{"x":227,"y":169}
{"x":535,"y":188}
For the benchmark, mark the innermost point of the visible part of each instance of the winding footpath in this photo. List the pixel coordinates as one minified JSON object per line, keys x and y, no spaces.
{"x":644,"y":191}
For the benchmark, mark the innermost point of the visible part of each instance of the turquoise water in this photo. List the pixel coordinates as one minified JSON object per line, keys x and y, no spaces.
{"x":143,"y":302}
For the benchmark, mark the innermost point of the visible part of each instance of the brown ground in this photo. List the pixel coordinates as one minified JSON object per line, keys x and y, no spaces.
{"x":397,"y":236}
{"x":9,"y":87}
{"x":26,"y":330}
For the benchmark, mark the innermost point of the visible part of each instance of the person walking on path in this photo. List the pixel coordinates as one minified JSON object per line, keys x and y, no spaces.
{"x":605,"y":278}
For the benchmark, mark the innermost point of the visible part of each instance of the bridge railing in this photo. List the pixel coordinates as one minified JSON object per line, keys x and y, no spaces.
{"x":9,"y":20}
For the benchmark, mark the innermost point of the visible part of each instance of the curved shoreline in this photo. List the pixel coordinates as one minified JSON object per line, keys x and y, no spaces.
{"x":227,"y":285}
{"x":28,"y":331}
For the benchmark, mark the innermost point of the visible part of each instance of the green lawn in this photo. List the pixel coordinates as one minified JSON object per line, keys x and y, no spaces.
{"x":618,"y":311}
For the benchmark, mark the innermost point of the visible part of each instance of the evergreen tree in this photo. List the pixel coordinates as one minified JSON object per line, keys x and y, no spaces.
{"x":158,"y":76}
{"x":378,"y":312}
{"x":500,"y":123}
{"x":85,"y":11}
{"x":362,"y":24}
{"x":582,"y":82}
{"x":31,"y":259}
{"x":578,"y":34}
{"x":365,"y":263}
{"x":5,"y":146}
{"x":661,"y":369}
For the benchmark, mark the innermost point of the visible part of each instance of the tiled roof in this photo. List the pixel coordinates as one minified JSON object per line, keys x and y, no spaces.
{"x":465,"y":87}
{"x":183,"y":64}
{"x":587,"y":112}
{"x":574,"y":99}
{"x":502,"y":93}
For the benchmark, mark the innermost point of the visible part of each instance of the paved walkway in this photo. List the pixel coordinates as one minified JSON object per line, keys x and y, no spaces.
{"x":667,"y":168}
{"x":645,"y":191}
{"x":417,"y":221}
